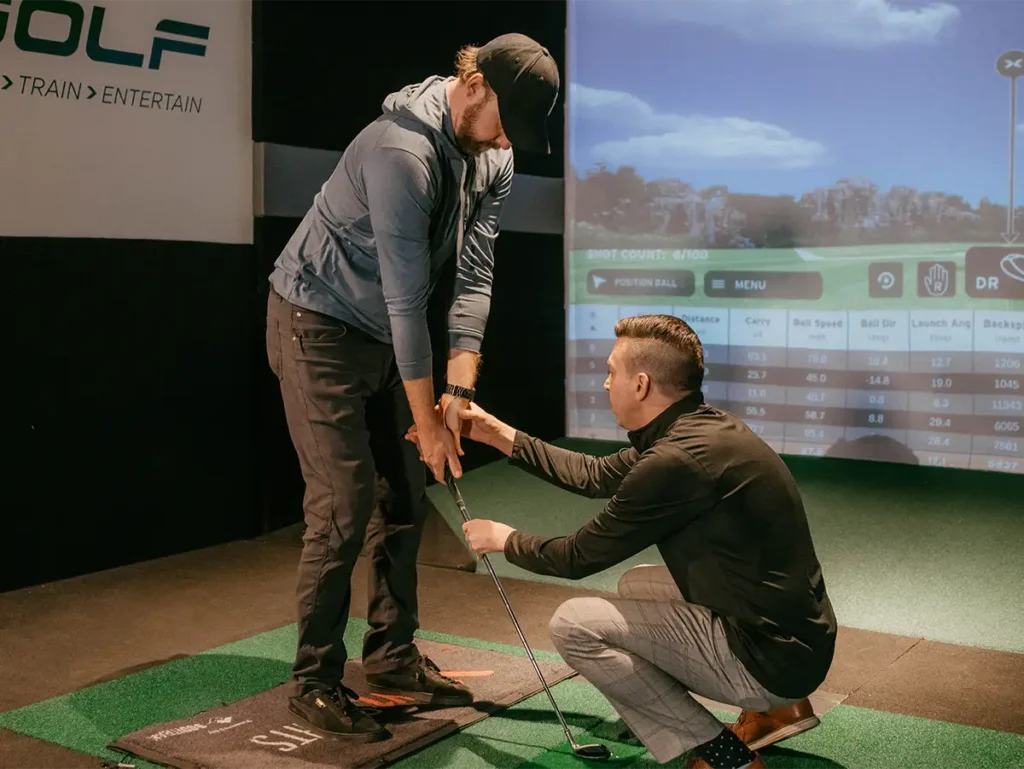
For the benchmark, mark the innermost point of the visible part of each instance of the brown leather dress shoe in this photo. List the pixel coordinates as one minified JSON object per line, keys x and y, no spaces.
{"x":693,"y":762}
{"x":758,"y":729}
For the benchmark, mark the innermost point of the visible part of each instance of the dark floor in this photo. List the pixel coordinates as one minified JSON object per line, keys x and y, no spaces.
{"x":61,"y":637}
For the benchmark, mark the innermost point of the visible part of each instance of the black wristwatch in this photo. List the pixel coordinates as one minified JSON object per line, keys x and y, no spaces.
{"x":459,"y":392}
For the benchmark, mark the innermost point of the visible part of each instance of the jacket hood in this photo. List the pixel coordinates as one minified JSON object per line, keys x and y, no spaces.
{"x":426,"y":102}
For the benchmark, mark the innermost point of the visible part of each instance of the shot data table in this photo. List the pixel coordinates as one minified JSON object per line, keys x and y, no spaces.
{"x":946,"y":384}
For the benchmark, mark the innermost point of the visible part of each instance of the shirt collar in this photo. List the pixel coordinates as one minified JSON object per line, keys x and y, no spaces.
{"x":644,"y":437}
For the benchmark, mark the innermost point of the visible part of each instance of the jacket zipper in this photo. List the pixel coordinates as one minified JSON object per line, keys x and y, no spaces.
{"x":462,"y":207}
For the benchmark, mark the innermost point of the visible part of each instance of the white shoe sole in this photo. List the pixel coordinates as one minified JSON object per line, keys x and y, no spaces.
{"x":785,"y":733}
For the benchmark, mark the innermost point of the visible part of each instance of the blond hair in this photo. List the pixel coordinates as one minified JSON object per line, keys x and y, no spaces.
{"x":465,"y":62}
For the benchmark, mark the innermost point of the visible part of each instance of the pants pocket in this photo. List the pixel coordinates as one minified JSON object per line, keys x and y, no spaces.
{"x":314,"y":328}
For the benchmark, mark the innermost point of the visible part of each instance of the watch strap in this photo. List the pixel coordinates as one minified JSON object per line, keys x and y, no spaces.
{"x":460,"y":392}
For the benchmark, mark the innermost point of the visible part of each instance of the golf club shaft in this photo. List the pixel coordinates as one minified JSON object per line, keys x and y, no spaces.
{"x":457,"y":495}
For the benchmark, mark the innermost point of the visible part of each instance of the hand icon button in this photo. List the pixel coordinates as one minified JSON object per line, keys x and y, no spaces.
{"x":936,"y":279}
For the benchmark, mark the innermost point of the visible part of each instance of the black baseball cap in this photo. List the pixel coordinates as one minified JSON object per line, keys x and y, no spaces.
{"x":524,"y":77}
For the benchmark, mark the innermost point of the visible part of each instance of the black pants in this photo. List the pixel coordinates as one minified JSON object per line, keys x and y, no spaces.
{"x":347,"y":414}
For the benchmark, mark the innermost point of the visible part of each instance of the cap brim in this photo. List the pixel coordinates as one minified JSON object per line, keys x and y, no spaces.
{"x":525,"y":132}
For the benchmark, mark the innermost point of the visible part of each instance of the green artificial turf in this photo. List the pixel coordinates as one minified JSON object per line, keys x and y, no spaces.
{"x":526,"y":735}
{"x":855,"y":738}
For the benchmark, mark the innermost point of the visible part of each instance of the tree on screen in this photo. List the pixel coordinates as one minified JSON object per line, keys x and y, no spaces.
{"x":617,"y":208}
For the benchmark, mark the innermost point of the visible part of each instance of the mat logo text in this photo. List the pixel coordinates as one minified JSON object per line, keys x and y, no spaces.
{"x":177,"y":731}
{"x":221,"y":722}
{"x":66,"y":43}
{"x":297,"y":737}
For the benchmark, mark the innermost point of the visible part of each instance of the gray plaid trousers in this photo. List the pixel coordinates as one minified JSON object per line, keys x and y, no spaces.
{"x":646,"y":650}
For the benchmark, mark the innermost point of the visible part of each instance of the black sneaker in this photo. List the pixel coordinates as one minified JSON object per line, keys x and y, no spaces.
{"x":337,"y":713}
{"x":421,"y":682}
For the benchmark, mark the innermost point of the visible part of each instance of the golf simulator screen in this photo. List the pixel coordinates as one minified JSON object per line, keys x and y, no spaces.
{"x":825,"y":193}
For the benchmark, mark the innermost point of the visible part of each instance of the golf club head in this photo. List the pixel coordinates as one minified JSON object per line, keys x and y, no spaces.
{"x":593,"y":752}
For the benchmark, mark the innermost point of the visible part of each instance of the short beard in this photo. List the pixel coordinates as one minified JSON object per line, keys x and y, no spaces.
{"x":468,"y":145}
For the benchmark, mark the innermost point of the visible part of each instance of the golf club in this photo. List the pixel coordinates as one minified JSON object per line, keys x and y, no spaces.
{"x":594,"y":752}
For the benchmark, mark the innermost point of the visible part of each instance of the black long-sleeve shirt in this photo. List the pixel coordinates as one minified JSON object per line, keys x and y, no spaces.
{"x":726,"y":515}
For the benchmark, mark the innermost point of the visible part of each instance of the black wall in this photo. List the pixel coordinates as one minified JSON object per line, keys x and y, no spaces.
{"x":322,"y":69}
{"x":128,"y":430}
{"x":140,"y":418}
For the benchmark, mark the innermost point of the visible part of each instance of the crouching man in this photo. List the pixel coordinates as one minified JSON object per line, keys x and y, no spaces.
{"x":738,"y":614}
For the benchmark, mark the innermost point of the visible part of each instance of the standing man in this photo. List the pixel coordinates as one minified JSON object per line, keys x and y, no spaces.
{"x":738,"y":613}
{"x":347,"y":338}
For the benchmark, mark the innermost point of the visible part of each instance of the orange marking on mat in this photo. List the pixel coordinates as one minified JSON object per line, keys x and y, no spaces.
{"x":467,"y":673}
{"x":372,"y":702}
{"x":394,"y":700}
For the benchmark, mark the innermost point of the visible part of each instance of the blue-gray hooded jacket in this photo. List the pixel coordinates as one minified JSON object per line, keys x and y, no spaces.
{"x":372,"y":245}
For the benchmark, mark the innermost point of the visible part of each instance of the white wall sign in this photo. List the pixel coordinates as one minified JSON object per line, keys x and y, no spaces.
{"x":126,"y":119}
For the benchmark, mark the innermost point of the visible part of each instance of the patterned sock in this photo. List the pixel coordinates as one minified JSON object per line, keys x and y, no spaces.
{"x":726,"y":751}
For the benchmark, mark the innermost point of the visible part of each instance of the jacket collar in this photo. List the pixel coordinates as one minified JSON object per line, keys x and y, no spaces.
{"x":644,"y":437}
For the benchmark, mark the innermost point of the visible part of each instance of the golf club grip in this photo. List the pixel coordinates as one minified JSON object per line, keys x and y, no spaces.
{"x":456,"y":494}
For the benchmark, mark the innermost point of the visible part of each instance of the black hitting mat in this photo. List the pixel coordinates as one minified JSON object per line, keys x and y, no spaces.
{"x":260,"y":732}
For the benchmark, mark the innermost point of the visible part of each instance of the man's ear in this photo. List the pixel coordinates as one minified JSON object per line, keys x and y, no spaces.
{"x":475,"y":85}
{"x":643,"y":386}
